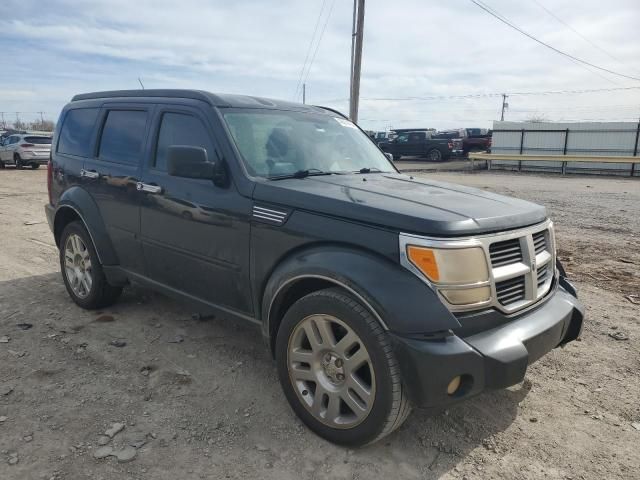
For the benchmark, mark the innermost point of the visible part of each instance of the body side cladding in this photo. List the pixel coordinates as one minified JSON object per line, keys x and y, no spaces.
{"x":378,"y":283}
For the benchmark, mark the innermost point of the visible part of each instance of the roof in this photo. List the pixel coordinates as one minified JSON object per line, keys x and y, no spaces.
{"x":213,"y":99}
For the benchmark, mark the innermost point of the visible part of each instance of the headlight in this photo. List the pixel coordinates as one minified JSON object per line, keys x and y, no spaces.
{"x":459,"y":272}
{"x":450,"y":265}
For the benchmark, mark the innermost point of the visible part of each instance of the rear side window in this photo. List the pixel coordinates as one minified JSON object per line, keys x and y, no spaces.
{"x":123,"y":136}
{"x":38,"y":140}
{"x":75,"y":135}
{"x":180,"y":129}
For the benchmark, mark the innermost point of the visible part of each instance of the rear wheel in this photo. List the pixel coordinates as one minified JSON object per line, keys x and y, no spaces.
{"x":81,"y":270}
{"x":396,"y":158}
{"x":338,"y":370}
{"x":35,"y":166}
{"x":434,"y":155}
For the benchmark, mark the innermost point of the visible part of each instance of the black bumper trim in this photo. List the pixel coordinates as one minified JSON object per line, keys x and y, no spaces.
{"x":493,"y":359}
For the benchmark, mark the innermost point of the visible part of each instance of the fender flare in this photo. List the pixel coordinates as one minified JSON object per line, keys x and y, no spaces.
{"x":400,"y":301}
{"x":79,"y":200}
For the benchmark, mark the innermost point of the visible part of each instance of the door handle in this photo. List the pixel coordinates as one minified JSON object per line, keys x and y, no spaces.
{"x":89,"y":173}
{"x":148,"y":188}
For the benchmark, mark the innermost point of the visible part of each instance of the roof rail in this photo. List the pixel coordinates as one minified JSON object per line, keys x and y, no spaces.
{"x":333,"y":110}
{"x":168,"y":93}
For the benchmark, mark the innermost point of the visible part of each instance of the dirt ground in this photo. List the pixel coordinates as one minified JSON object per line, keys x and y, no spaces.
{"x":200,"y":398}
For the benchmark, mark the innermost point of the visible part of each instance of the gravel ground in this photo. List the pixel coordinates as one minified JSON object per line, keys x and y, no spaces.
{"x":199,"y":398}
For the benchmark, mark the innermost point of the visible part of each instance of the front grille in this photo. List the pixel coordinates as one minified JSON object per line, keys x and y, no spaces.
{"x":540,"y":241}
{"x":505,"y":253}
{"x":522,"y":267}
{"x":511,"y":291}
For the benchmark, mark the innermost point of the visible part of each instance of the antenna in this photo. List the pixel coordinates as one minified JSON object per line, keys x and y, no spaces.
{"x":140,"y":81}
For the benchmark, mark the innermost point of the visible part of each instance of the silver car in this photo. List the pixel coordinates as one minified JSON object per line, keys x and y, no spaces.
{"x":24,"y":149}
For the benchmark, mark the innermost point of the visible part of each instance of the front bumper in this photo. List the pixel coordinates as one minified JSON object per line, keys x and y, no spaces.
{"x":492,"y":359}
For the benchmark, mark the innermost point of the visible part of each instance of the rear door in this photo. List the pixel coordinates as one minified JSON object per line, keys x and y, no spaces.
{"x":195,"y":234}
{"x":112,"y":174}
{"x":416,"y":143}
{"x":8,"y":148}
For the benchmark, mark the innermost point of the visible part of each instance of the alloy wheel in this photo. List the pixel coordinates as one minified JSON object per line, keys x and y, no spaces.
{"x":77,"y":265}
{"x":331,"y":371}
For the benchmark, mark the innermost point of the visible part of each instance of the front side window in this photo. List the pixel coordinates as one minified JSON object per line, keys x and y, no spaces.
{"x":75,"y":135}
{"x":180,"y":129}
{"x":123,"y":136}
{"x":276,"y":142}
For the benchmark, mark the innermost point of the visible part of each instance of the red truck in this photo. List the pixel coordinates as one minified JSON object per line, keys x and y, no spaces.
{"x":468,"y":139}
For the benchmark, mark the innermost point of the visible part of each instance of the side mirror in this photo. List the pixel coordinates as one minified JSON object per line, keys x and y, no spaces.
{"x":192,"y":162}
{"x":389,"y":156}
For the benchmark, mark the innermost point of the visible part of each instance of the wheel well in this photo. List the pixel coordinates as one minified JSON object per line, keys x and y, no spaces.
{"x":290,"y":295}
{"x":64,"y":216}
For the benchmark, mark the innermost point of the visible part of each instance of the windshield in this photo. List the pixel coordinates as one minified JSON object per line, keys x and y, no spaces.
{"x":275,"y":143}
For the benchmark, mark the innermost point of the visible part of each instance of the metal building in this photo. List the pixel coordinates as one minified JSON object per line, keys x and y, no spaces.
{"x":582,"y":138}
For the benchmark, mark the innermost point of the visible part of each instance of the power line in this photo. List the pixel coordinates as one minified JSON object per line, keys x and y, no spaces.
{"x":564,"y":54}
{"x":324,"y":27}
{"x":577,"y":32}
{"x":483,"y":95}
{"x":315,"y":30}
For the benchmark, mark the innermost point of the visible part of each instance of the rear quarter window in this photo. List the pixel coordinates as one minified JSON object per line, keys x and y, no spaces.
{"x":123,"y":136}
{"x":75,"y":135}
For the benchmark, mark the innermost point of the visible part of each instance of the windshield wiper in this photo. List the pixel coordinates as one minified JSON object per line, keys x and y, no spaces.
{"x":370,"y":170}
{"x":300,"y":174}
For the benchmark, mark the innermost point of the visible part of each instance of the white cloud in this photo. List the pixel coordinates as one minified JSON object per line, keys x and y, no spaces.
{"x":413,"y":48}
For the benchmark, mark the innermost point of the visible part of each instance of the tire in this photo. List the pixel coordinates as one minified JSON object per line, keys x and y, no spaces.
{"x":18,"y":161}
{"x":434,"y":155}
{"x":1,"y":165}
{"x":89,"y":293}
{"x":381,"y":400}
{"x":396,"y":158}
{"x":35,"y":166}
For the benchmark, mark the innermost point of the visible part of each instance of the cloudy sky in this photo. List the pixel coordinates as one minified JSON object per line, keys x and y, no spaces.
{"x":414,"y":50}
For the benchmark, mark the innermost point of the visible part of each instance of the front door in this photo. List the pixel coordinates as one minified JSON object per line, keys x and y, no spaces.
{"x":111,"y":176}
{"x":195,"y":235}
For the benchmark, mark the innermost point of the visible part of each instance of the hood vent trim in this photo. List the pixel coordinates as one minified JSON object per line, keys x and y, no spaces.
{"x":269,"y":215}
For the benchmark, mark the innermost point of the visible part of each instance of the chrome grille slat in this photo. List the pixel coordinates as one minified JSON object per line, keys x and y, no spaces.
{"x":505,"y":252}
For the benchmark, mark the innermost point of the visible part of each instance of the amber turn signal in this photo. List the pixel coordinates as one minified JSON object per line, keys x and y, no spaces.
{"x":425,"y":260}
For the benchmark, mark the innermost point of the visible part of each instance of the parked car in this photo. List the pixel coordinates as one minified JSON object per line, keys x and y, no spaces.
{"x":468,"y":139}
{"x":374,"y":291}
{"x":25,"y":149}
{"x":418,"y":144}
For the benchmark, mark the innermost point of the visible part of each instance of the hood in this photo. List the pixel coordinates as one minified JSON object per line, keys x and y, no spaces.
{"x":398,"y":202}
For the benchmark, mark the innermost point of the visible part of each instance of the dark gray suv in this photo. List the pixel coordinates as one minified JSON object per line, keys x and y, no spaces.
{"x":375,"y":291}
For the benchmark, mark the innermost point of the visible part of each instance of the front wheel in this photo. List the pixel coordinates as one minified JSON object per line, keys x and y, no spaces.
{"x":18,"y":161}
{"x":35,"y":166}
{"x":396,"y":158}
{"x":81,"y":269}
{"x":338,"y":370}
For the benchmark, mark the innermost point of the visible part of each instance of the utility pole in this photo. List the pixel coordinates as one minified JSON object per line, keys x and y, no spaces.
{"x":356,"y":58}
{"x":504,"y":105}
{"x":304,"y":93}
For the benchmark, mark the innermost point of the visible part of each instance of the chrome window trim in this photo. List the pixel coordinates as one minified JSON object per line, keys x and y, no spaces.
{"x":528,"y":266}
